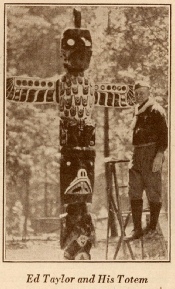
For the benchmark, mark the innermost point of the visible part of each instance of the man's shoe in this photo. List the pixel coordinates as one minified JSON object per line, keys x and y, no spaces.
{"x":150,"y":230}
{"x":136,"y":210}
{"x":151,"y":234}
{"x":135,"y":234}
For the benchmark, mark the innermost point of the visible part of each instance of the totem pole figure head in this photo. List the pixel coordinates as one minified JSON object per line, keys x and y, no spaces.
{"x":76,"y":46}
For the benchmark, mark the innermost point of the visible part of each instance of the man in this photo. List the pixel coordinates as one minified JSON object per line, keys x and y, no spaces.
{"x":150,"y":139}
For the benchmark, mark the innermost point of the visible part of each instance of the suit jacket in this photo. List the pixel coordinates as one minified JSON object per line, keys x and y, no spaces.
{"x":151,"y":126}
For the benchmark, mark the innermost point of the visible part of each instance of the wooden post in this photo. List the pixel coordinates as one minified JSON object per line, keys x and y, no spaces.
{"x":112,"y":223}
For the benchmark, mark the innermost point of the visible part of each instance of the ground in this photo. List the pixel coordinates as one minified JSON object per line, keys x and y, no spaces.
{"x":46,"y":246}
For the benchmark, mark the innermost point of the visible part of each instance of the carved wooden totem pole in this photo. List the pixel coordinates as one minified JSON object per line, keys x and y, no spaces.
{"x":76,"y":97}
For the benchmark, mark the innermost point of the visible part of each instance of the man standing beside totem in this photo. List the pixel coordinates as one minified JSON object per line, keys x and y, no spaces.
{"x":150,"y":140}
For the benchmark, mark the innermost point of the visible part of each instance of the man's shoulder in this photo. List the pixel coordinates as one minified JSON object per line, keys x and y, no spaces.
{"x":156,"y":108}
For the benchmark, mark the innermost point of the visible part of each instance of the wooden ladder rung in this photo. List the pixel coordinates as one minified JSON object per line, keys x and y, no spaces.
{"x":121,"y":186}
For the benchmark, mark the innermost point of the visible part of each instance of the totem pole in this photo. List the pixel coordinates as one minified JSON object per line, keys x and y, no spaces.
{"x":76,"y":97}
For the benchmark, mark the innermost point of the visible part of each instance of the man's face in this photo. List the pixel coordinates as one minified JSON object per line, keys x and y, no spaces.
{"x":141,"y":94}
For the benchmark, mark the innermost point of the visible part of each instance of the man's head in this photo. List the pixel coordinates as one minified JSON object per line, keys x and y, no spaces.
{"x":142,"y":92}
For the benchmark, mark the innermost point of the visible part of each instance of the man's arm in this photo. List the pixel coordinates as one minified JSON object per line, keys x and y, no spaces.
{"x":162,"y":143}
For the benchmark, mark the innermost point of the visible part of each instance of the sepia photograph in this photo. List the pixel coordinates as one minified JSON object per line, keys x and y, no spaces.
{"x":87,"y":133}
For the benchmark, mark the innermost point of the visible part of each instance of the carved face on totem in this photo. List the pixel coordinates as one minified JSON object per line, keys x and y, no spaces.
{"x":77,"y":175}
{"x":76,"y":49}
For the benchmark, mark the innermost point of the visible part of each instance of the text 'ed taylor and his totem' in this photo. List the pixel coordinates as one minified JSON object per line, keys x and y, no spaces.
{"x":47,"y":278}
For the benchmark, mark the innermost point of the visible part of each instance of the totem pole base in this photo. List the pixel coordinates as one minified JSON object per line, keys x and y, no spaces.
{"x":77,"y":233}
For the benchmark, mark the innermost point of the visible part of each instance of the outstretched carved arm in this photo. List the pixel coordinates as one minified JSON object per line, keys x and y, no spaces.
{"x":114,"y":95}
{"x":26,"y":90}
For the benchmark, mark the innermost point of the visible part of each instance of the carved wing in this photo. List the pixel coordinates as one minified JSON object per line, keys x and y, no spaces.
{"x":26,"y":90}
{"x":114,"y":95}
{"x":19,"y":89}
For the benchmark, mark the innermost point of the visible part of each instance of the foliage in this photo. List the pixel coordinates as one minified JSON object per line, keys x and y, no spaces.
{"x":32,"y":156}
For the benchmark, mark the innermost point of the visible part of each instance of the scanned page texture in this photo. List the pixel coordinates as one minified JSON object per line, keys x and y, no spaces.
{"x":87,"y":145}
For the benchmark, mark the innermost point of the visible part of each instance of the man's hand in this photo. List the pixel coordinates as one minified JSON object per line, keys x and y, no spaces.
{"x":158,"y":161}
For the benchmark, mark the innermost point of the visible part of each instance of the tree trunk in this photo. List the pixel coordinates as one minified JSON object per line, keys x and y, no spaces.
{"x":45,"y":193}
{"x":26,"y":204}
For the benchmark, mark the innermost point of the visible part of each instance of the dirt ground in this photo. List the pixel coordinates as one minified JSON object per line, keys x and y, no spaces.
{"x":46,"y":247}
